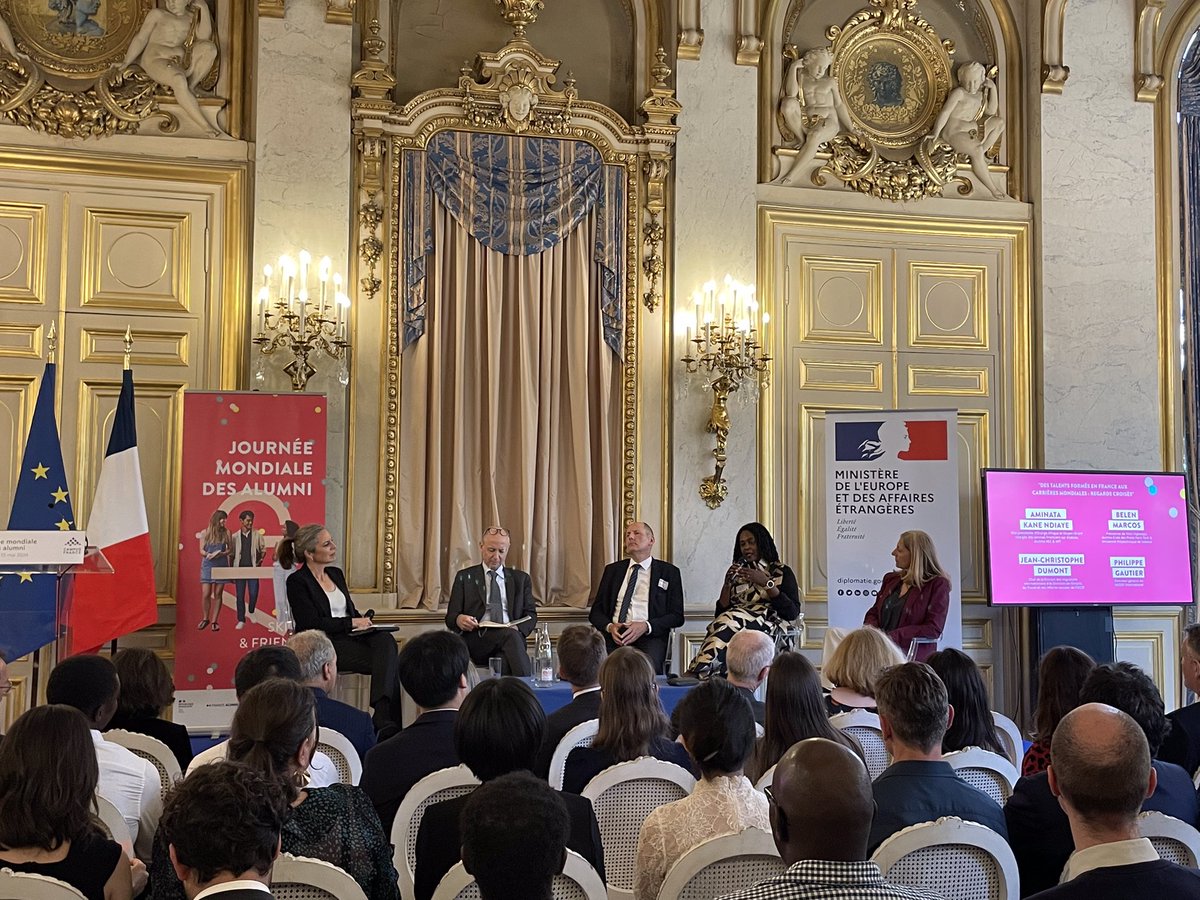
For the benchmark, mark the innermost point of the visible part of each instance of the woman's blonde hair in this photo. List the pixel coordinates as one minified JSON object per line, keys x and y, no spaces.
{"x":859,"y":659}
{"x":303,"y":543}
{"x":923,"y":565}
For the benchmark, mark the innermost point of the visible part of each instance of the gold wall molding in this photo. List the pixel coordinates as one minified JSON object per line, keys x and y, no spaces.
{"x":1055,"y":71}
{"x":339,"y":12}
{"x":749,"y":42}
{"x":271,"y":9}
{"x":1148,"y":79}
{"x":691,"y":32}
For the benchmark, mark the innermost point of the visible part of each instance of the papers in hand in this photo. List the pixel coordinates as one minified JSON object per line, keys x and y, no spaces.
{"x":513,"y":624}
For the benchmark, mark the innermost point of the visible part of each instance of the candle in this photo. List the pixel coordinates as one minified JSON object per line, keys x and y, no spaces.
{"x":323,"y":275}
{"x":344,"y":306}
{"x":305,"y":259}
{"x":262,"y":308}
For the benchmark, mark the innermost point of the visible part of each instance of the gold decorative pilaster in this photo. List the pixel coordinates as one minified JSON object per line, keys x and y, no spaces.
{"x":270,"y":9}
{"x":339,"y":12}
{"x":691,"y":35}
{"x":1148,"y":79}
{"x":1054,"y":71}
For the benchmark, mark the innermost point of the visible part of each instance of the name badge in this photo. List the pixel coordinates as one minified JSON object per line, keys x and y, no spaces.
{"x":662,"y":583}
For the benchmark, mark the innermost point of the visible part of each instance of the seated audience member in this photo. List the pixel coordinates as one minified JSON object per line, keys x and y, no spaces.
{"x":128,"y":782}
{"x":1100,"y":772}
{"x":632,"y":722}
{"x":919,"y":786}
{"x":433,"y":671}
{"x":274,"y":733}
{"x":855,"y":666}
{"x":499,"y":730}
{"x":515,"y":817}
{"x":795,"y":712}
{"x":222,"y":829}
{"x":1061,"y":673}
{"x":146,"y":690}
{"x":580,"y":654}
{"x":973,"y":725}
{"x":717,"y":728}
{"x":747,"y":661}
{"x":1182,"y":743}
{"x":48,"y":777}
{"x":252,"y":669}
{"x":821,"y":809}
{"x":1038,"y":830}
{"x":319,"y":672}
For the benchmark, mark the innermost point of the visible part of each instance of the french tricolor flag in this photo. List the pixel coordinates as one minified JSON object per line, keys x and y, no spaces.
{"x":104,"y":607}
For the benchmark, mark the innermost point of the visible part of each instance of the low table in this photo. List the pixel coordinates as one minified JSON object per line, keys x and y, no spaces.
{"x":559,"y":694}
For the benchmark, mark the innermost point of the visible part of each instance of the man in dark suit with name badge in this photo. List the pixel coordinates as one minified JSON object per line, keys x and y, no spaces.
{"x":486,"y":598}
{"x":640,"y":599}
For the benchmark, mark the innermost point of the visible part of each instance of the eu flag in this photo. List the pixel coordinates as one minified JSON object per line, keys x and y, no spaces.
{"x":42,"y":503}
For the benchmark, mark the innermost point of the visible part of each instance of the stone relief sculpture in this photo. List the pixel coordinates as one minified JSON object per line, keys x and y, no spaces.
{"x":811,"y":107}
{"x":969,"y":122}
{"x":7,"y":44}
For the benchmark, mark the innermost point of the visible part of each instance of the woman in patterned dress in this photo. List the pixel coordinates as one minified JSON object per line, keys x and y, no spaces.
{"x":759,"y":592}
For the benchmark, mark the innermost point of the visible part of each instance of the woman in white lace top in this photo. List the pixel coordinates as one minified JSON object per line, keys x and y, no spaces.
{"x":717,"y":728}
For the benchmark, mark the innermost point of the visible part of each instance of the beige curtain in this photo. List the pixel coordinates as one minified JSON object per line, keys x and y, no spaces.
{"x":509,"y":414}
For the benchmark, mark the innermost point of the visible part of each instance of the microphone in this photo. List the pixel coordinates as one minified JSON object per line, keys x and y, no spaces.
{"x":369,"y":614}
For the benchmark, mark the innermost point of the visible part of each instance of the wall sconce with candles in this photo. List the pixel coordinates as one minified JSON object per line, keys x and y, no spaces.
{"x":294,"y":322}
{"x":728,"y":330}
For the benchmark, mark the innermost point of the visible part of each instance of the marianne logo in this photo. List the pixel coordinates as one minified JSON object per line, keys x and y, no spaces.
{"x":72,"y":544}
{"x":890,"y":439}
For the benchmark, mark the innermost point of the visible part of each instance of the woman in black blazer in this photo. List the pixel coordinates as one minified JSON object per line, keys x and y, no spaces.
{"x":320,"y":600}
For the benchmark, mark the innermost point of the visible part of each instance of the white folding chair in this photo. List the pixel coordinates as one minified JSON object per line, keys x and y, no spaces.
{"x":581,"y":735}
{"x":758,"y":730}
{"x":345,"y":758}
{"x":864,"y":727}
{"x":444,"y":784}
{"x":114,"y":823}
{"x":765,"y":779}
{"x":989,"y":772}
{"x":951,"y":858}
{"x":152,"y":750}
{"x":27,"y":886}
{"x":622,"y":796}
{"x":577,"y":881}
{"x":1173,"y":839}
{"x":302,"y":878}
{"x":722,"y":865}
{"x":1010,"y":737}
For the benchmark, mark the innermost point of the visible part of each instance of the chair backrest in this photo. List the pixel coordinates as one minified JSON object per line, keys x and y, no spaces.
{"x":1173,"y":839}
{"x":1010,"y":737}
{"x":951,"y":858}
{"x":302,"y":878}
{"x":444,"y":784}
{"x":765,"y":779}
{"x":153,"y":751}
{"x":345,"y":759}
{"x":577,"y":881}
{"x":722,"y":865}
{"x":622,"y":796}
{"x":581,"y":735}
{"x":758,"y":730}
{"x":865,"y":728}
{"x":114,"y":823}
{"x":989,"y":772}
{"x":26,"y":886}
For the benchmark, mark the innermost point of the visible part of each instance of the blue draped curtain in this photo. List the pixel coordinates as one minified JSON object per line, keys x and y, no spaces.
{"x":1189,"y":164}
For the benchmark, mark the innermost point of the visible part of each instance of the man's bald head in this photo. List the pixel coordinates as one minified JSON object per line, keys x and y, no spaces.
{"x":821,"y":803}
{"x":1100,"y":762}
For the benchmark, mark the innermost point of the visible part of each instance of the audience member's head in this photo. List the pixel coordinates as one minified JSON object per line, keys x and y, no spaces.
{"x":580,"y":654}
{"x":631,"y":715}
{"x":973,"y":725}
{"x":275,"y":732}
{"x":1100,"y":770}
{"x":748,"y":657}
{"x":1191,"y":658}
{"x":318,"y":659}
{"x":261,"y":663}
{"x":514,"y":837}
{"x":285,"y":550}
{"x":433,"y":669}
{"x":914,"y":710}
{"x":795,"y":711}
{"x":499,"y":728}
{"x":858,"y":660}
{"x":1061,"y":673}
{"x":48,"y":777}
{"x":717,"y":726}
{"x":146,"y":686}
{"x":88,"y":683}
{"x":1126,"y":687}
{"x":222,"y":823}
{"x":821,"y":803}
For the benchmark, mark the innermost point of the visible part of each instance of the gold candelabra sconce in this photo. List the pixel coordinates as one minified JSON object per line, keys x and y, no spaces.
{"x":299,"y":322}
{"x":726,"y":344}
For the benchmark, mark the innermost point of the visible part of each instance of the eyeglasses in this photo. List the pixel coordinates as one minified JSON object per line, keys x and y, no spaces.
{"x":770,"y":796}
{"x":495,"y":529}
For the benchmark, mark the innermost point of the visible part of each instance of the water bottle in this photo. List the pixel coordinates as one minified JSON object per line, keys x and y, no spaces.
{"x":543,"y":664}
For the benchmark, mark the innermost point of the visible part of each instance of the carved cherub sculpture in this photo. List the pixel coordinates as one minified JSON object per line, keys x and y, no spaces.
{"x":969,"y":122}
{"x":518,"y":101}
{"x":811,"y":106}
{"x":175,"y":47}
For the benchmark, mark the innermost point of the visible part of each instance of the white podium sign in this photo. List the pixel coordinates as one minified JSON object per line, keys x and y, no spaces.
{"x":41,"y":548}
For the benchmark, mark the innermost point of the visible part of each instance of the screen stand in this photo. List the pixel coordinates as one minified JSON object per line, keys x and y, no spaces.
{"x":1088,"y":628}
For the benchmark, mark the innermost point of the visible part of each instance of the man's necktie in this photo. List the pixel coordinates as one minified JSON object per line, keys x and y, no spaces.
{"x":495,"y":601}
{"x":628,"y":601}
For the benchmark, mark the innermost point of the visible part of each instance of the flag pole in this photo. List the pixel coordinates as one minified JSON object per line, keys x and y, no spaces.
{"x":128,"y":346}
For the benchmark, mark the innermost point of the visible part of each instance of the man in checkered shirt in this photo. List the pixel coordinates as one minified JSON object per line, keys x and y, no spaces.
{"x":821,"y":810}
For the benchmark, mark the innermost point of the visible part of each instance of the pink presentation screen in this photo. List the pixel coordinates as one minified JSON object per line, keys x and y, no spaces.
{"x":1086,"y":538}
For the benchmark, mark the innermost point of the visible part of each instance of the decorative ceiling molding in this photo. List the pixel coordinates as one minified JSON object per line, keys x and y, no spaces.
{"x":749,"y":44}
{"x":691,"y":35}
{"x":1054,"y":72}
{"x":1148,"y":79}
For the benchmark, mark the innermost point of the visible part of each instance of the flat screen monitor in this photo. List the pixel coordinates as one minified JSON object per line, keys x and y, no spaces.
{"x":1059,"y":538}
